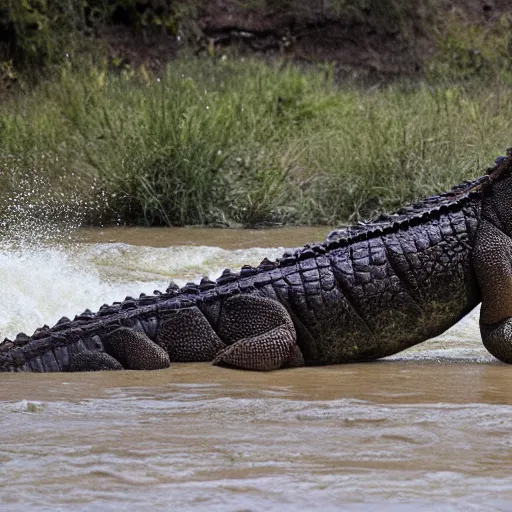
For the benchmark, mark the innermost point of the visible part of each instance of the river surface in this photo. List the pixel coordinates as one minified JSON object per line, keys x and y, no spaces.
{"x":427,"y":429}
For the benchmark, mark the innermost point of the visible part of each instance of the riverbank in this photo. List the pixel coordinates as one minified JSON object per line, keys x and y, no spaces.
{"x":237,"y":141}
{"x":365,"y":40}
{"x":213,"y":135}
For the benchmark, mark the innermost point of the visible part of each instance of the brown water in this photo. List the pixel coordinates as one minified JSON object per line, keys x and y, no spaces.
{"x":426,"y":430}
{"x":225,"y":238}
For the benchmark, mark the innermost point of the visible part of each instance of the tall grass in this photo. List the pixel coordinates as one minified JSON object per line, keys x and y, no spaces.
{"x":244,"y":142}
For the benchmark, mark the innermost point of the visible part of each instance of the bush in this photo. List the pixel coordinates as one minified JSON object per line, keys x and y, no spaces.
{"x":35,"y":34}
{"x":240,"y":141}
{"x":468,"y":51}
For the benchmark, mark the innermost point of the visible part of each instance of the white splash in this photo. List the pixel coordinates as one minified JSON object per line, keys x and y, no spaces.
{"x":39,"y":285}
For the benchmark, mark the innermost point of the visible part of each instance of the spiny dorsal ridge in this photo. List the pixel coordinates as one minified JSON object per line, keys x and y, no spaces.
{"x":128,"y":304}
{"x":21,"y":337}
{"x":266,"y":264}
{"x":206,"y":284}
{"x":227,"y":276}
{"x":248,"y":271}
{"x":308,"y":253}
{"x":190,"y":288}
{"x":41,"y":332}
{"x":173,"y":287}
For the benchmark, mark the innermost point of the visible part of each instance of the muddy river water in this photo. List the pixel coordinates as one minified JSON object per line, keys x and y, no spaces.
{"x":428,"y":429}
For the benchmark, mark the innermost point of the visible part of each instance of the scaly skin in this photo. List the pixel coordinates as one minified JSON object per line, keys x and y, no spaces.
{"x":366,"y":292}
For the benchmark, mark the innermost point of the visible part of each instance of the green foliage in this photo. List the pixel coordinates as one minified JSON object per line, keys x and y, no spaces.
{"x":397,"y":144}
{"x":225,"y":141}
{"x":39,"y":33}
{"x":242,"y":142}
{"x":468,"y":51}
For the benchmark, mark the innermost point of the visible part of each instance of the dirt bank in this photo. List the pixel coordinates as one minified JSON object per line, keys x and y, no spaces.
{"x":371,"y":40}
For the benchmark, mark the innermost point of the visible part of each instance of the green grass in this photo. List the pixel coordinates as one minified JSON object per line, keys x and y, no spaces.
{"x":232,"y":141}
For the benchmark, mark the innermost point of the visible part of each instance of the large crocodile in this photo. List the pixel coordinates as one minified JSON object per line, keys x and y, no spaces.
{"x":367,"y":292}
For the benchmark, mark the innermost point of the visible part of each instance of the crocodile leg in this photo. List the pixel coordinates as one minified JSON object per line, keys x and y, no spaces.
{"x":86,"y":361}
{"x":259,"y":333}
{"x":187,"y":336}
{"x":121,"y":349}
{"x":251,"y":333}
{"x":492,"y":261}
{"x":135,"y":350}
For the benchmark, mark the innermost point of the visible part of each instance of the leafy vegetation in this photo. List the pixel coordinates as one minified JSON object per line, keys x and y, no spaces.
{"x":469,"y":51}
{"x":223,"y":140}
{"x":36,"y":34}
{"x":236,"y":141}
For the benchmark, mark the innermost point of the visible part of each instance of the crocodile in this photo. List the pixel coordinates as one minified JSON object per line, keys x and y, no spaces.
{"x":366,"y":292}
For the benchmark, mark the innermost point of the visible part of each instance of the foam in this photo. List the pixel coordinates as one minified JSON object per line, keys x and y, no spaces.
{"x":41,"y":284}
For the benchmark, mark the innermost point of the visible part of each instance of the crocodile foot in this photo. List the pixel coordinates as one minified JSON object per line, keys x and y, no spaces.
{"x":251,"y":333}
{"x":497,"y":339}
{"x":259,"y":333}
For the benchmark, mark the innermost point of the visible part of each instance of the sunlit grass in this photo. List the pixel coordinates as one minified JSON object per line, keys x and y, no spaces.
{"x":215,"y":141}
